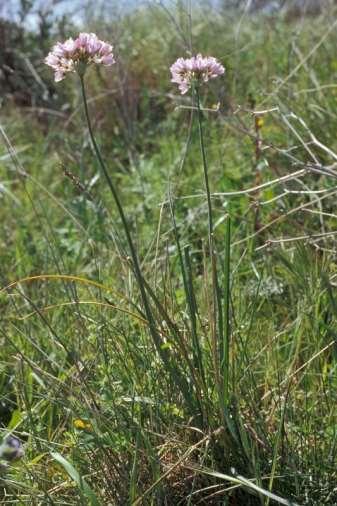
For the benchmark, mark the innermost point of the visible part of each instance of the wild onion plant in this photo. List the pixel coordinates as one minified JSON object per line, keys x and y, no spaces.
{"x":189,"y":375}
{"x":188,"y":360}
{"x":192,"y":73}
{"x":75,"y":56}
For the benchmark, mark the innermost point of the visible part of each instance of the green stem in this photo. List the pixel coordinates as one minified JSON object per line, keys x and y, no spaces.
{"x":226,"y":335}
{"x":111,"y":187}
{"x":163,"y":353}
{"x":219,"y":334}
{"x":204,"y":163}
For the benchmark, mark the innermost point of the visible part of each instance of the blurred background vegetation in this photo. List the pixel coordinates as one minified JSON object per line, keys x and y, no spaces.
{"x":101,"y":420}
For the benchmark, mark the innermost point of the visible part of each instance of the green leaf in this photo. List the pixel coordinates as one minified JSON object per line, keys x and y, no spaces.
{"x":15,"y":420}
{"x":77,"y":478}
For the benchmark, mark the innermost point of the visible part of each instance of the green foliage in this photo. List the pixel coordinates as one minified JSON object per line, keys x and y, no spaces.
{"x":95,"y":399}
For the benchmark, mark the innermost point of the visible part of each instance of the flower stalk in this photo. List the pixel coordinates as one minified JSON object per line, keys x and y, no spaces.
{"x":216,"y":324}
{"x":192,"y":73}
{"x":162,"y":351}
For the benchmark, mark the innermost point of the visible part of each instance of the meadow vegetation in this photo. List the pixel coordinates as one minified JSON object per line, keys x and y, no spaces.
{"x":223,"y":390}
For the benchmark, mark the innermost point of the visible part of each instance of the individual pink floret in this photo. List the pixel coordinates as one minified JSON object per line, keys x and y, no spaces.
{"x":198,"y":68}
{"x":74,"y":55}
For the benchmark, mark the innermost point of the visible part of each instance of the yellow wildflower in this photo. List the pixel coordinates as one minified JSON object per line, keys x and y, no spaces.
{"x":259,"y":122}
{"x":82,"y":424}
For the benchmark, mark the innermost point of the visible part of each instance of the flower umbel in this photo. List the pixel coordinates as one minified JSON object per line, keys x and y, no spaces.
{"x":198,"y":68}
{"x":75,"y":55}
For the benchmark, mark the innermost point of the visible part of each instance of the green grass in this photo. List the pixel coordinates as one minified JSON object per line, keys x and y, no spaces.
{"x":121,"y":404}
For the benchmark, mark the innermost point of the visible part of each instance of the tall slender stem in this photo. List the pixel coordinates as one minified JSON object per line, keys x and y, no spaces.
{"x":205,"y":168}
{"x":218,"y":334}
{"x":224,"y":357}
{"x":163,"y":353}
{"x":109,"y":181}
{"x":119,"y":207}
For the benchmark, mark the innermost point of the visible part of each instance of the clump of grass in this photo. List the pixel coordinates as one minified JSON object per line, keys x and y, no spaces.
{"x":154,"y":353}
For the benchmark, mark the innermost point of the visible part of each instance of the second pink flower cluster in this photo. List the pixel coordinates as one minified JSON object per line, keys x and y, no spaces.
{"x":197,"y":69}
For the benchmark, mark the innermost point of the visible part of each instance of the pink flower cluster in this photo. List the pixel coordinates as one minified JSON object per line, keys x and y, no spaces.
{"x":198,"y":68}
{"x":74,"y":55}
